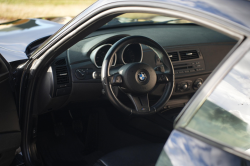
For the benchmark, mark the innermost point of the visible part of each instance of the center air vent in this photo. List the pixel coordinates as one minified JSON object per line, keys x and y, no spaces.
{"x":173,"y":56}
{"x":62,"y":75}
{"x":191,"y":54}
{"x":60,"y":62}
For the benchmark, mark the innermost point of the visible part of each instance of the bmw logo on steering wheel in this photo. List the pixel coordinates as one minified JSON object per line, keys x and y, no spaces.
{"x":142,"y":76}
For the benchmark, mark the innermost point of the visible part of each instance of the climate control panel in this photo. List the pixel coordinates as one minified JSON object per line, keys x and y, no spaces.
{"x":184,"y":86}
{"x":197,"y":83}
{"x":188,"y":85}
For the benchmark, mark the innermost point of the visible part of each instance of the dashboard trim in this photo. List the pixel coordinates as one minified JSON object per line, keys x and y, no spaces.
{"x":93,"y":55}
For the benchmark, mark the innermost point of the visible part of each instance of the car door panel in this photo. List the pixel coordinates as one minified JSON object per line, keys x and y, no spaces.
{"x":218,"y":132}
{"x":10,"y":134}
{"x":184,"y":149}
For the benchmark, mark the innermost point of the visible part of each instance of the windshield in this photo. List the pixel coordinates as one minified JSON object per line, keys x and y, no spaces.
{"x":131,"y":19}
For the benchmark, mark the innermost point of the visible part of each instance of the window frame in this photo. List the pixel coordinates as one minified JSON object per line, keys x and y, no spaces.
{"x":232,"y":58}
{"x":188,"y":112}
{"x":65,"y":37}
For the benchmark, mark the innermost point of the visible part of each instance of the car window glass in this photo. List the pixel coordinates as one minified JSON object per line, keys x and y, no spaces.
{"x":225,"y":115}
{"x":130,"y":19}
{"x":163,"y":159}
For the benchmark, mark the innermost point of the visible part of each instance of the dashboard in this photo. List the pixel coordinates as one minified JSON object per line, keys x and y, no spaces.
{"x":194,"y":51}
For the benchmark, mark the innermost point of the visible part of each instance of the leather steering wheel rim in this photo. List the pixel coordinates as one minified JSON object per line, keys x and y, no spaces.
{"x":169,"y":71}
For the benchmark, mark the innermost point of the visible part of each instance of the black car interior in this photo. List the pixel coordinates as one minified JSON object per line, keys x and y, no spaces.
{"x":80,"y":122}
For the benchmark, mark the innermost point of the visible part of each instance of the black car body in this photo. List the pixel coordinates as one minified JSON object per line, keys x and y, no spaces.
{"x":61,"y":91}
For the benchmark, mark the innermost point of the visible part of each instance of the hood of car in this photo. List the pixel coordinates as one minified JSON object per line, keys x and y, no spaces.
{"x":15,"y":36}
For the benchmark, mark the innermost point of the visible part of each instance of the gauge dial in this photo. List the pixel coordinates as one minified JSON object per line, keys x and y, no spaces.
{"x":132,"y":53}
{"x":129,"y":56}
{"x":98,"y":55}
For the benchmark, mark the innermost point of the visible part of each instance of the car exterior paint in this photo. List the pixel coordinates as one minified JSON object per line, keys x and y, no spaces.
{"x":185,"y":150}
{"x":15,"y":36}
{"x":180,"y":146}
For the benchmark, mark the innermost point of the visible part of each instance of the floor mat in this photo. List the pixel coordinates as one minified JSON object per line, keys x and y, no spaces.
{"x":112,"y":138}
{"x":102,"y":137}
{"x":62,"y":150}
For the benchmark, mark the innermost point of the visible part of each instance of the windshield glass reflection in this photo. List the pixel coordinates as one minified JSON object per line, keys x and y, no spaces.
{"x":225,"y":115}
{"x":129,"y":19}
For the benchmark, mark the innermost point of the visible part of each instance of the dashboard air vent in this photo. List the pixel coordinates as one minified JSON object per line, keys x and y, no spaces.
{"x":173,"y":56}
{"x":62,"y":75}
{"x":60,"y":62}
{"x":191,"y":54}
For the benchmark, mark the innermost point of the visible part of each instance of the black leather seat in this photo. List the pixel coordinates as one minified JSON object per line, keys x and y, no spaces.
{"x":143,"y":155}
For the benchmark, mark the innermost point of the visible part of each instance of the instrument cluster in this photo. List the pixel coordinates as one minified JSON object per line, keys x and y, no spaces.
{"x":128,"y":54}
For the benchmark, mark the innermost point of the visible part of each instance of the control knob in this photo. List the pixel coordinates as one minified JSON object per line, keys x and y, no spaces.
{"x":80,"y":74}
{"x":96,"y":75}
{"x":198,"y":83}
{"x":184,"y":86}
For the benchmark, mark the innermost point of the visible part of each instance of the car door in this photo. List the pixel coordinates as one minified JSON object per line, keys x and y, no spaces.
{"x":214,"y":128}
{"x":10,"y":134}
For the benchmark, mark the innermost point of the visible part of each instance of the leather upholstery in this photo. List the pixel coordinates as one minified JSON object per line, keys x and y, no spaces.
{"x":143,"y":155}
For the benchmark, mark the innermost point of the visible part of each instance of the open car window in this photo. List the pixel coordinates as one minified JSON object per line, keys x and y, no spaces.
{"x":225,"y":115}
{"x":134,"y":19}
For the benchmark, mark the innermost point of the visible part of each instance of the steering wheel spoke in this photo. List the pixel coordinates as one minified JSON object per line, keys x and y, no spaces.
{"x":115,"y":79}
{"x":140,"y":102}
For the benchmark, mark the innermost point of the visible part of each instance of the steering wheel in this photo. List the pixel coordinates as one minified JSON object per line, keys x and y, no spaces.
{"x":138,"y":79}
